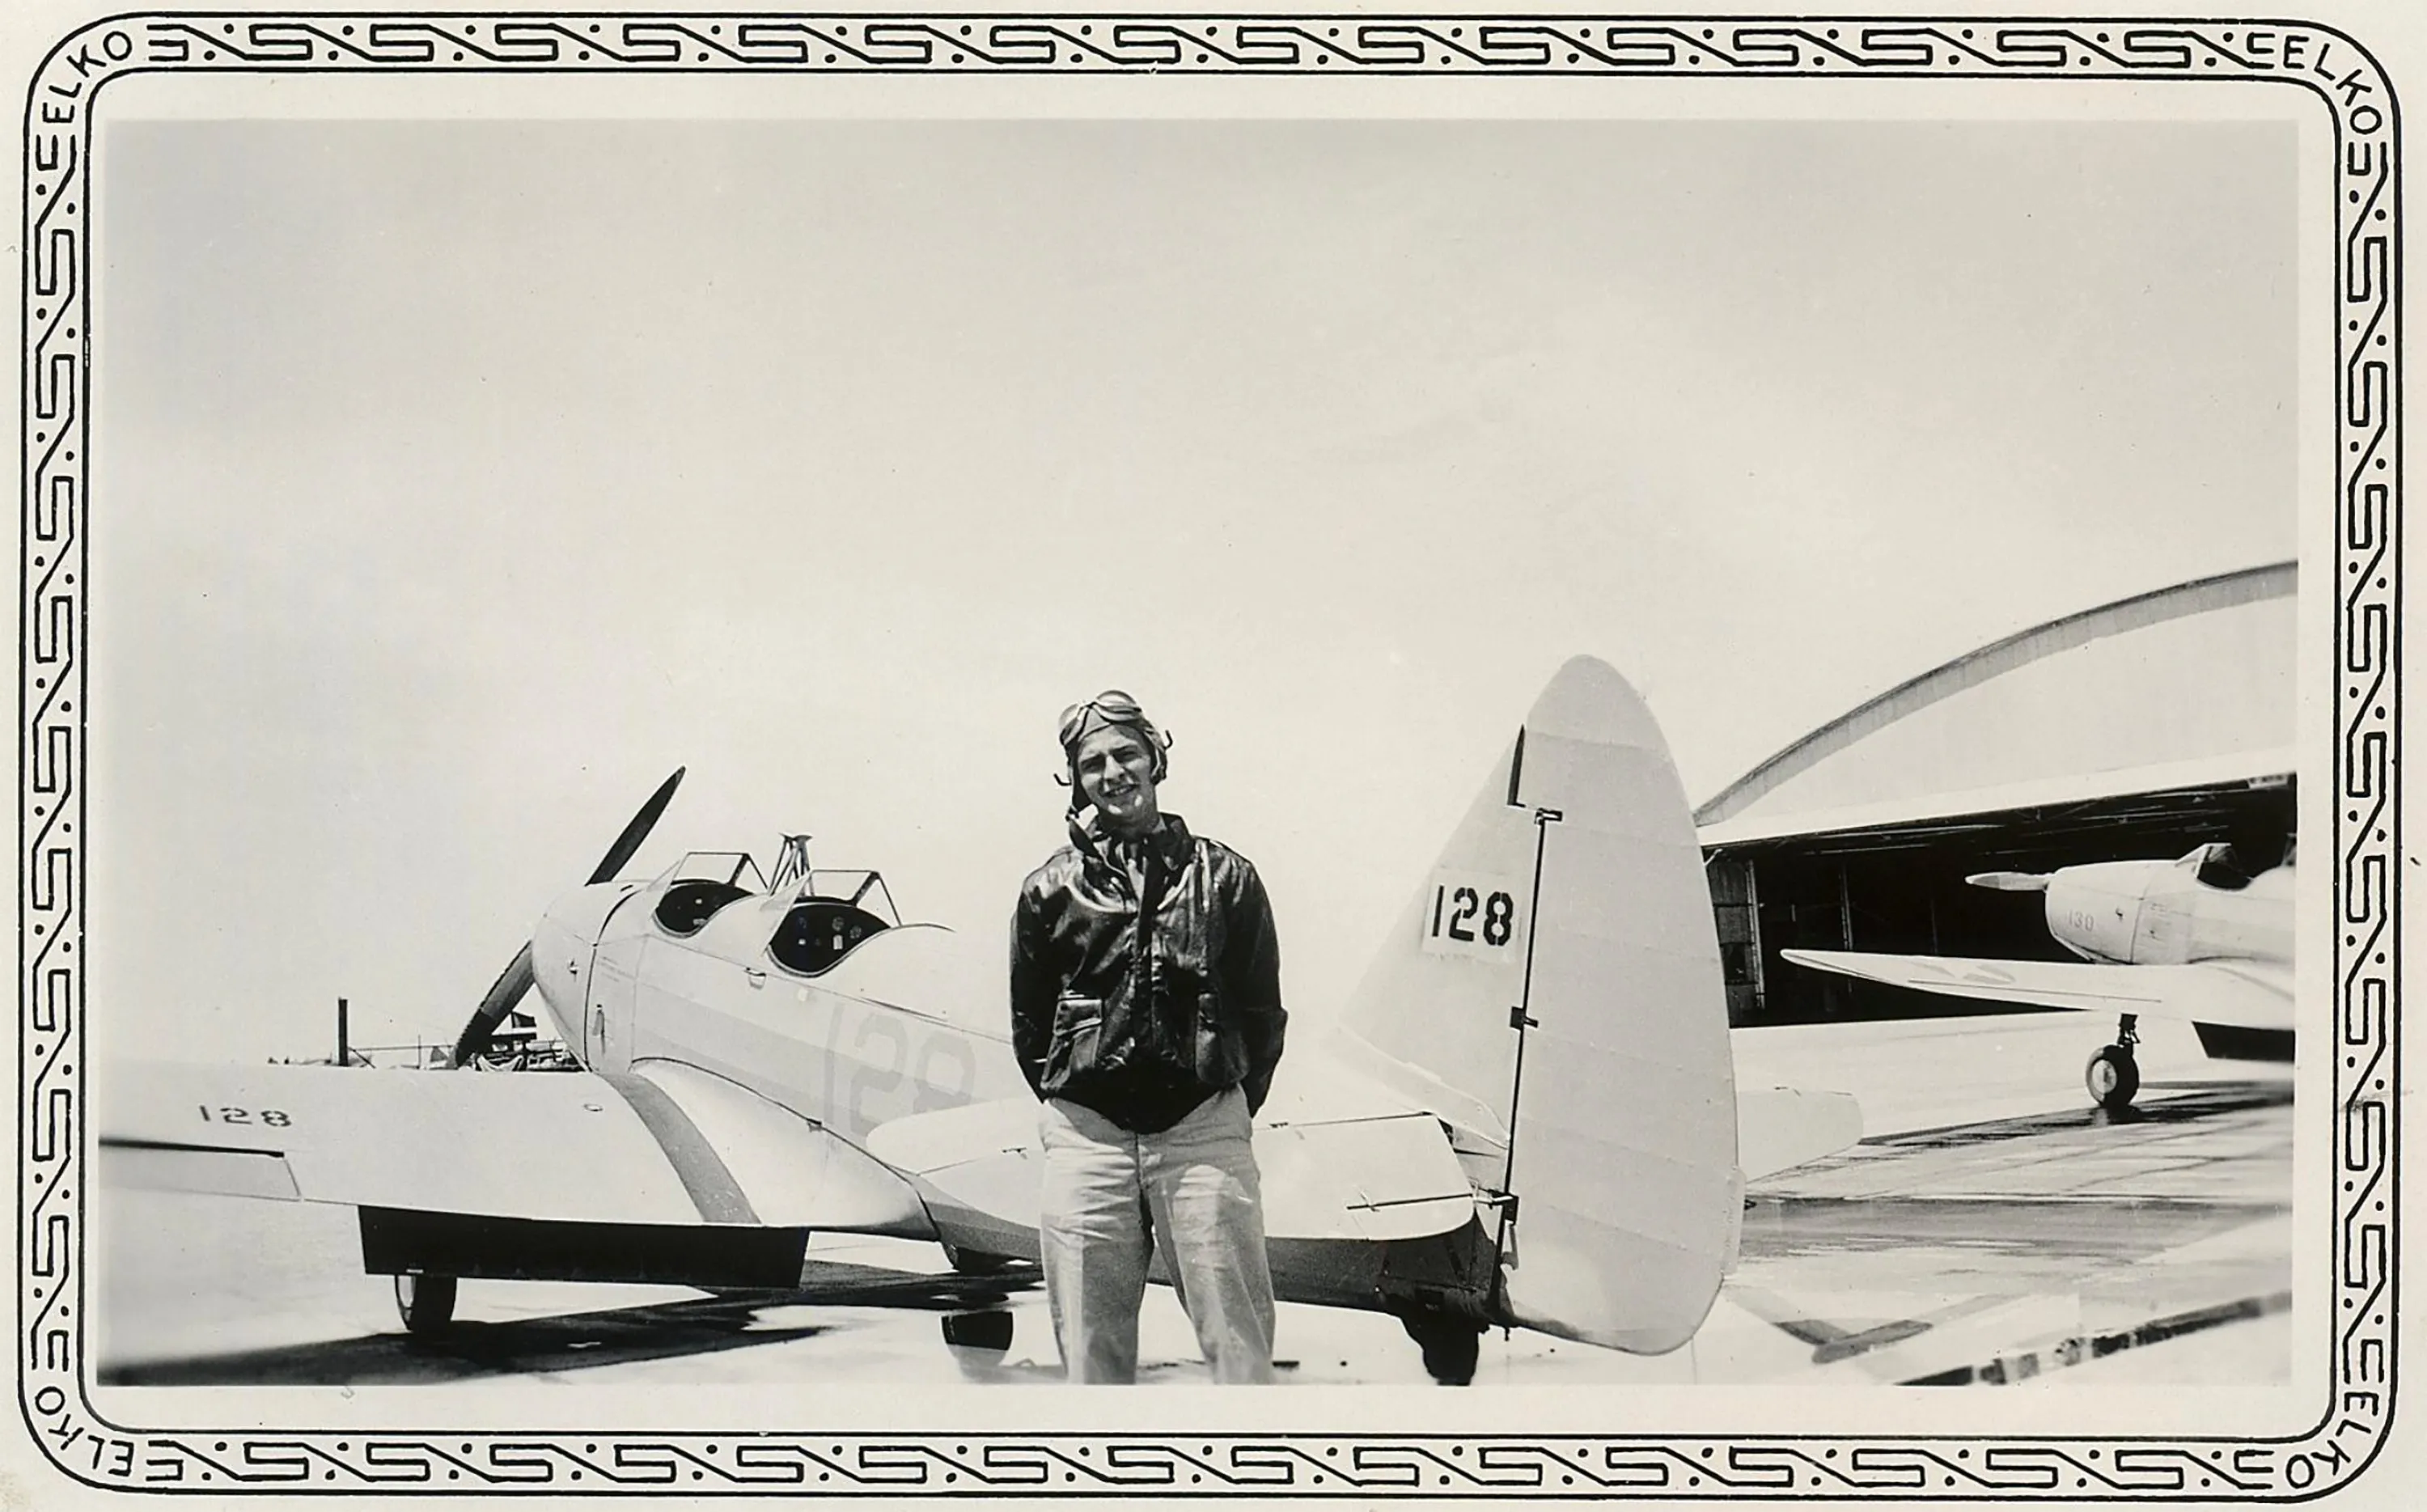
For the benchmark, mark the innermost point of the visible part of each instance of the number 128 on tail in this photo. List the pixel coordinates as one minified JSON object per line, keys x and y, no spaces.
{"x":1474,"y":916}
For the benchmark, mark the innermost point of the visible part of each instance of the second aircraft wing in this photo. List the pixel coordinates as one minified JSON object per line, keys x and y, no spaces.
{"x":2247,"y":994}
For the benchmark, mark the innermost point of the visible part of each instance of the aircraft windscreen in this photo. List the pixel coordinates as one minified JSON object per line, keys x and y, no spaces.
{"x":859,"y":888}
{"x":2224,"y":866}
{"x":733,"y":868}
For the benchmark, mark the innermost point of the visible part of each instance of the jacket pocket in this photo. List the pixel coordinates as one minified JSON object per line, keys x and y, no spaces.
{"x":1078,"y":1033}
{"x":1221,"y":1051}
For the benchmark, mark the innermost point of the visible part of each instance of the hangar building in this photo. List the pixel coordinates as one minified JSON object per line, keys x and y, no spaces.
{"x":2139,"y":729}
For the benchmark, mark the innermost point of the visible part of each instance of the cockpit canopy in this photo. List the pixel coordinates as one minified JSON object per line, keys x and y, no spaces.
{"x":2233,"y":865}
{"x":702,"y":882}
{"x":831,"y":911}
{"x":817,"y":931}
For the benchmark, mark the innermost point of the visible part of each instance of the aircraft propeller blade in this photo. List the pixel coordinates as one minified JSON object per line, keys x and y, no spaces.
{"x":516,"y":979}
{"x":637,"y":830}
{"x":495,"y":1003}
{"x":2009,"y":881}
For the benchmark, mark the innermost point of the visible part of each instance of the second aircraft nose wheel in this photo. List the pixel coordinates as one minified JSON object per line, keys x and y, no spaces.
{"x":2113,"y":1077}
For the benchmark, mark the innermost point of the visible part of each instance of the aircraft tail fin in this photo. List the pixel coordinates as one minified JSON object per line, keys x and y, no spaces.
{"x":1574,"y":891}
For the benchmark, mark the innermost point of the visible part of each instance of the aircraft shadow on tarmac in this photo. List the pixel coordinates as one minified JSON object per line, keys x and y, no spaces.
{"x":2196,"y":1100}
{"x":584,"y":1341}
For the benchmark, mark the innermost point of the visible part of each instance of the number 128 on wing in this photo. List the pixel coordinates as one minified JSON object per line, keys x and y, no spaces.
{"x":1474,"y":915}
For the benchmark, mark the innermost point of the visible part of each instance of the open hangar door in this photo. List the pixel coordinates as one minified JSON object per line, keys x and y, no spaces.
{"x":2133,"y":730}
{"x":1901,"y":890}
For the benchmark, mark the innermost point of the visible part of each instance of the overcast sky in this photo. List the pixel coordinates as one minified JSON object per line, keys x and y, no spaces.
{"x":455,"y":481}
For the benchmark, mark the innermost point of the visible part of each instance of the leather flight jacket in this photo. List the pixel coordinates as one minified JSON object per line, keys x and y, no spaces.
{"x":1141,"y":1007}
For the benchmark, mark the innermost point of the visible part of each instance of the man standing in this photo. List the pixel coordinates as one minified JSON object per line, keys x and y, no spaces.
{"x":1146,"y":1011}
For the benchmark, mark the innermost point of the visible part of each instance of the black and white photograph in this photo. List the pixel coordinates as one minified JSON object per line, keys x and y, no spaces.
{"x":743,"y":727}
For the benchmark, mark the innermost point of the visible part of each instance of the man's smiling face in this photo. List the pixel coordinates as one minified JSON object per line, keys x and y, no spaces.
{"x":1115,"y":769}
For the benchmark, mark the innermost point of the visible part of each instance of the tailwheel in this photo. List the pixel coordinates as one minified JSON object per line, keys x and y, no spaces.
{"x":2113,"y":1077}
{"x":990,"y":1331}
{"x":1451,"y":1345}
{"x":426,"y":1303}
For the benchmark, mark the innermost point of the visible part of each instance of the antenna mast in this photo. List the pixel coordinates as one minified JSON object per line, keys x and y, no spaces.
{"x":791,"y":864}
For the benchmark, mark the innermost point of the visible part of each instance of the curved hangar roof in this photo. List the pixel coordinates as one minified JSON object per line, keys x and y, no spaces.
{"x":2188,"y":688}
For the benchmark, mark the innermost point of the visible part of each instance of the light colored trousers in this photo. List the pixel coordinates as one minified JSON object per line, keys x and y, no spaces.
{"x":1193,"y":1189}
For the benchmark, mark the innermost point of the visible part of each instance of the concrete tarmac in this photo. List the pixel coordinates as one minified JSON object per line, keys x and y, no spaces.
{"x":1992,"y":1228}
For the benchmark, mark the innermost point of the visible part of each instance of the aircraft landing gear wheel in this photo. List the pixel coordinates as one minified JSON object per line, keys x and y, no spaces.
{"x":990,"y":1331}
{"x":976,"y":1262}
{"x":426,"y":1303}
{"x":1451,"y":1345}
{"x":2113,"y":1077}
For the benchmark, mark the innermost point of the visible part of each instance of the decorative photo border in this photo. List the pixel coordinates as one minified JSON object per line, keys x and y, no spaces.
{"x":53,"y":1220}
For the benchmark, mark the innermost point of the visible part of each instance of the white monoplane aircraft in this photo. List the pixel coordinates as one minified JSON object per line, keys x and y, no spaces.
{"x":1528,"y":1116}
{"x":2199,"y":940}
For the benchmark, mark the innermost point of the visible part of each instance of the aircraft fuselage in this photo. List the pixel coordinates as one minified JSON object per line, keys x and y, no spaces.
{"x":2162,"y":913}
{"x":839,"y":1048}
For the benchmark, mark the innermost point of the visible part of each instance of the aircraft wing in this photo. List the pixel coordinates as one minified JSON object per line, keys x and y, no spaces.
{"x":2247,"y":994}
{"x":667,"y":1145}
